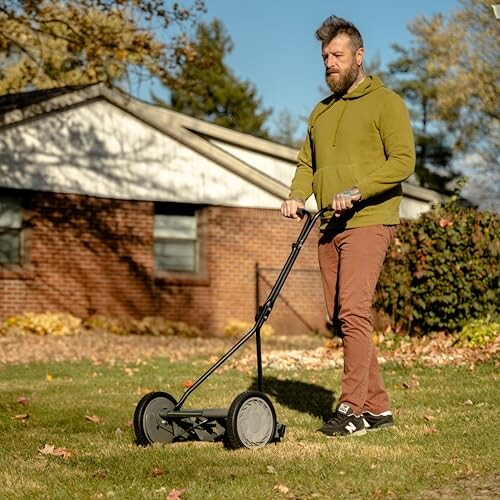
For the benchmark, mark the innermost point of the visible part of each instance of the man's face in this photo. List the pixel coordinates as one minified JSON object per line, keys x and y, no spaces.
{"x":342,"y":65}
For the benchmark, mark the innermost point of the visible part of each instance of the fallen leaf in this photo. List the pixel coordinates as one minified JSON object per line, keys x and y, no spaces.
{"x":157,"y":472}
{"x":49,"y":377}
{"x":281,"y":488}
{"x":50,"y":449}
{"x":431,"y":430}
{"x":22,"y":416}
{"x":175,"y":494}
{"x":130,"y":423}
{"x":467,"y":402}
{"x":63,"y":452}
{"x":22,"y":400}
{"x":271,"y":470}
{"x":143,"y":390}
{"x":187,"y":383}
{"x":429,"y":418}
{"x":93,"y":418}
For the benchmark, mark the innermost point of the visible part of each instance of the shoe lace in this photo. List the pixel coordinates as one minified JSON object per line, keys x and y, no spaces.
{"x":335,"y":418}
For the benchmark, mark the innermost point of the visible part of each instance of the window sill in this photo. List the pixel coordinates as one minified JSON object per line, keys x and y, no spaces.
{"x":16,"y":272}
{"x":165,"y":278}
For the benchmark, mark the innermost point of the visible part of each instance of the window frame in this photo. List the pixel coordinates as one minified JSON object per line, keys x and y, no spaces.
{"x":16,"y":199}
{"x":183,"y":276}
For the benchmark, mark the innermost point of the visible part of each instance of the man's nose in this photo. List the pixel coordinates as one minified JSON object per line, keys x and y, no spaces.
{"x":329,"y":61}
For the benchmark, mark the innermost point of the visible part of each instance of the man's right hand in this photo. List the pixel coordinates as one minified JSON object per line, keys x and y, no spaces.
{"x":289,"y":208}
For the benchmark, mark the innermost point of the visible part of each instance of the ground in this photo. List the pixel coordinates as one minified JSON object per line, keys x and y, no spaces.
{"x":297,"y":352}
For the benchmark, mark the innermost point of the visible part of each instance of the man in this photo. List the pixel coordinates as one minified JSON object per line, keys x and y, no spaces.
{"x":358,"y":150}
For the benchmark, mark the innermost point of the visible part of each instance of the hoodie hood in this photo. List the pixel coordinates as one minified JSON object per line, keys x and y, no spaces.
{"x":369,"y":84}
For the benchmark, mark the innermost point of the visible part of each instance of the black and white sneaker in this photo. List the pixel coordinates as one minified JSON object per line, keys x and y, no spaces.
{"x":344,"y":423}
{"x":374,"y":422}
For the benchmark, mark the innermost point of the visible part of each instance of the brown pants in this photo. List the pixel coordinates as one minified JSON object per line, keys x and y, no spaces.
{"x":350,"y":263}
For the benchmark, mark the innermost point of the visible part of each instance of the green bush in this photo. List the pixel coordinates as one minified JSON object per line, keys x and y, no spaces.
{"x":442,"y":270}
{"x":478,"y":333}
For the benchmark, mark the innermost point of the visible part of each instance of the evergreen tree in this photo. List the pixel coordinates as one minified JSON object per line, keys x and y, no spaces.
{"x":210,"y":90}
{"x":415,"y":81}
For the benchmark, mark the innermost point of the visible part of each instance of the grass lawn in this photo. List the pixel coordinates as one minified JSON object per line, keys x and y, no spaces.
{"x":445,"y":445}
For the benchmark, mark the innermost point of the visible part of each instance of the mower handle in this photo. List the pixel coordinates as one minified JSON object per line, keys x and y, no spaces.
{"x":303,"y":212}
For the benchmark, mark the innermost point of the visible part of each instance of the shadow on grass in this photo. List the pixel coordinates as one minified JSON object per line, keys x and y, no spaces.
{"x":297,"y":395}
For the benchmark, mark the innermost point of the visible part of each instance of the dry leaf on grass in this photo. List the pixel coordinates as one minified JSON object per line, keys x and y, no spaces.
{"x":187,"y":383}
{"x":50,"y":449}
{"x":93,"y":418}
{"x":431,"y":430}
{"x":281,"y":488}
{"x":175,"y":494}
{"x":271,"y":470}
{"x":429,"y":418}
{"x":23,"y":417}
{"x":156,"y":472}
{"x":23,"y":400}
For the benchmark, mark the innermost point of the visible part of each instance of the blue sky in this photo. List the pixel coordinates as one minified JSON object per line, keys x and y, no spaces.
{"x":275,"y":47}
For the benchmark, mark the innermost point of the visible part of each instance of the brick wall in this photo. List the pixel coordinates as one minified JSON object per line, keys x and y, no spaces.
{"x":89,"y":255}
{"x":236,"y":241}
{"x":84,"y":255}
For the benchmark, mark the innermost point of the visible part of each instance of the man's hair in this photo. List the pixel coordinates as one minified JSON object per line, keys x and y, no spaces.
{"x":333,"y":26}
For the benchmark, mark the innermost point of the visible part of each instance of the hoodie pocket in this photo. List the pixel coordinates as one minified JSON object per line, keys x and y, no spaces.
{"x":329,"y":181}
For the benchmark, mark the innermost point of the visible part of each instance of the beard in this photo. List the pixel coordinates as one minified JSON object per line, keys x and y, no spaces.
{"x":342,"y":81}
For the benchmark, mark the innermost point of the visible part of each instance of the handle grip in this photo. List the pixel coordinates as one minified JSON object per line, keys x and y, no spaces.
{"x":302,"y":212}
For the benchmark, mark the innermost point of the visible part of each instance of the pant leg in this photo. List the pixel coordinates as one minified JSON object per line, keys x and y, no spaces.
{"x":362,"y":253}
{"x":329,"y":260}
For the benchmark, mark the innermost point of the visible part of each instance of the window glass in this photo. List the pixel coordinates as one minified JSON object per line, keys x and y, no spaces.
{"x":10,"y":230}
{"x":175,"y":242}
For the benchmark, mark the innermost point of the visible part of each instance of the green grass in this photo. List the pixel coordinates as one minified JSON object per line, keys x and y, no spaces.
{"x":444,"y":446}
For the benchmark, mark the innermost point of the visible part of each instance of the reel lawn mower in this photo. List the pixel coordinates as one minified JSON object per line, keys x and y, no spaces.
{"x":250,"y":421}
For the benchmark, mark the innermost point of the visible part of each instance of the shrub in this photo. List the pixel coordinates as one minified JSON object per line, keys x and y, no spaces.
{"x":149,"y":325}
{"x":478,"y":333}
{"x":237,"y":328}
{"x":442,"y":270}
{"x":41,"y":324}
{"x":105,"y":323}
{"x":158,"y":326}
{"x":65,"y":324}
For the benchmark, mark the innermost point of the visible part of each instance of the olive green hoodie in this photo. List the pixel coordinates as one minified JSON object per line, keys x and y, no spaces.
{"x":363,"y":140}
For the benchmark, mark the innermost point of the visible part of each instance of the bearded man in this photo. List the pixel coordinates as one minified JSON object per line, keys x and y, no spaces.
{"x":358,"y":150}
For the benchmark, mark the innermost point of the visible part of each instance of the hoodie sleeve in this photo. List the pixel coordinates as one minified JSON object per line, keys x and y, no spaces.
{"x":399,"y":148}
{"x":301,"y":187}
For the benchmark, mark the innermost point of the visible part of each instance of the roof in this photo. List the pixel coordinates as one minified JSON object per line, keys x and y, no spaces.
{"x":200,"y":136}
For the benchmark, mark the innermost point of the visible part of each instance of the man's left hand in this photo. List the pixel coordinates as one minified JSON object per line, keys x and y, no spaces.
{"x":344,"y":201}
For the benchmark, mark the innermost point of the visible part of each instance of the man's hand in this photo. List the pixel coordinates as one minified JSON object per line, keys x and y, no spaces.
{"x":289,"y":208}
{"x":344,"y":201}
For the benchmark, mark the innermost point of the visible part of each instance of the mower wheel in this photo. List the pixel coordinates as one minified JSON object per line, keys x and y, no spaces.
{"x":251,"y":421}
{"x":149,"y":427}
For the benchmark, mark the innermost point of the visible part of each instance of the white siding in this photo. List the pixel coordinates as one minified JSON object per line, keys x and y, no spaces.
{"x":97,"y":149}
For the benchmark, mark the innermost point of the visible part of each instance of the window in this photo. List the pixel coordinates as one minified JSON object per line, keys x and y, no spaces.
{"x":175,"y":240}
{"x":10,"y":230}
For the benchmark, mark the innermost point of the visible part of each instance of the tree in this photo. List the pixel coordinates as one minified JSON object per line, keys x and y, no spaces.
{"x":212,"y":92}
{"x":463,"y":51}
{"x":286,"y":129}
{"x":57,"y":43}
{"x":416,"y":82}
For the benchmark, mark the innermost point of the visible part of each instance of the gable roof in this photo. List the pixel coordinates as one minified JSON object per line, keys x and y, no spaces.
{"x":189,"y":132}
{"x":198,"y":135}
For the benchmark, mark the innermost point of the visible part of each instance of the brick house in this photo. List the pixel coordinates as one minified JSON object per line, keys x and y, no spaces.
{"x":112,"y":206}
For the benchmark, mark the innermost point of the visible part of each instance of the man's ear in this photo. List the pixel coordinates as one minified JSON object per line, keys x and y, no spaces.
{"x":359,"y":56}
